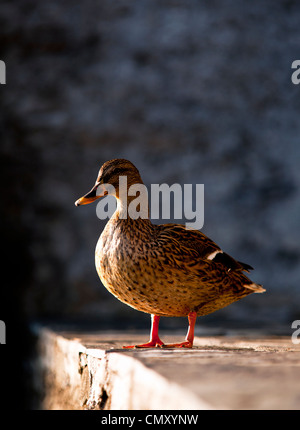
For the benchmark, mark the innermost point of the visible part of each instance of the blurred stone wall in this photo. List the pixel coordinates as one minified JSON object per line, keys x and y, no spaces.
{"x":189,"y":91}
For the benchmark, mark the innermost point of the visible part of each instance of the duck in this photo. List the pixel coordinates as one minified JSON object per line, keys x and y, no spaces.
{"x":165,"y":270}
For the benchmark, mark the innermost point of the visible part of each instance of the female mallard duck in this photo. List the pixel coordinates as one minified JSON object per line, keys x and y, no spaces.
{"x":163,"y":270}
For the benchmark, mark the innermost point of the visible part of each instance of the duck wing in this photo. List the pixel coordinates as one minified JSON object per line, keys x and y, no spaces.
{"x":196,"y":245}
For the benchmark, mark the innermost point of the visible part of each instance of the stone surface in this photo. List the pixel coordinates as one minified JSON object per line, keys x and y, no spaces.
{"x":84,"y":370}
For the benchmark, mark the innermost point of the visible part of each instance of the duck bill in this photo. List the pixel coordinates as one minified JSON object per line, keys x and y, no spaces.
{"x":96,"y":192}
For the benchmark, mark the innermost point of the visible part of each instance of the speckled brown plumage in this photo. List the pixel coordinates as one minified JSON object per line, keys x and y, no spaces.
{"x":164,"y":270}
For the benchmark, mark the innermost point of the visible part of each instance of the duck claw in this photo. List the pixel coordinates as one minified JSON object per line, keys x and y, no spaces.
{"x":146,"y":345}
{"x":185,"y":344}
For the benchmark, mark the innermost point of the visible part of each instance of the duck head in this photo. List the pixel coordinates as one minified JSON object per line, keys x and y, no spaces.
{"x":108,"y":183}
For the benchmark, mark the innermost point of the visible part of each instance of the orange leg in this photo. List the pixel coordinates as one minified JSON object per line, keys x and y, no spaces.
{"x":154,"y":338}
{"x":188,"y":343}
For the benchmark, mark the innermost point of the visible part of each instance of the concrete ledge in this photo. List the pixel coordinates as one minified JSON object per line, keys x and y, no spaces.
{"x":76,"y":370}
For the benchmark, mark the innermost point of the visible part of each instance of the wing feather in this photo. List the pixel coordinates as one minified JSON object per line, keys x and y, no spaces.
{"x":196,"y":244}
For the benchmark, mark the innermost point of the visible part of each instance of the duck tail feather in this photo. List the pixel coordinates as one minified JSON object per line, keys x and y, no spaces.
{"x":257,"y":288}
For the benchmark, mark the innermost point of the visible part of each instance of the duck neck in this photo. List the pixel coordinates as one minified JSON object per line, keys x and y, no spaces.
{"x":132,"y":202}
